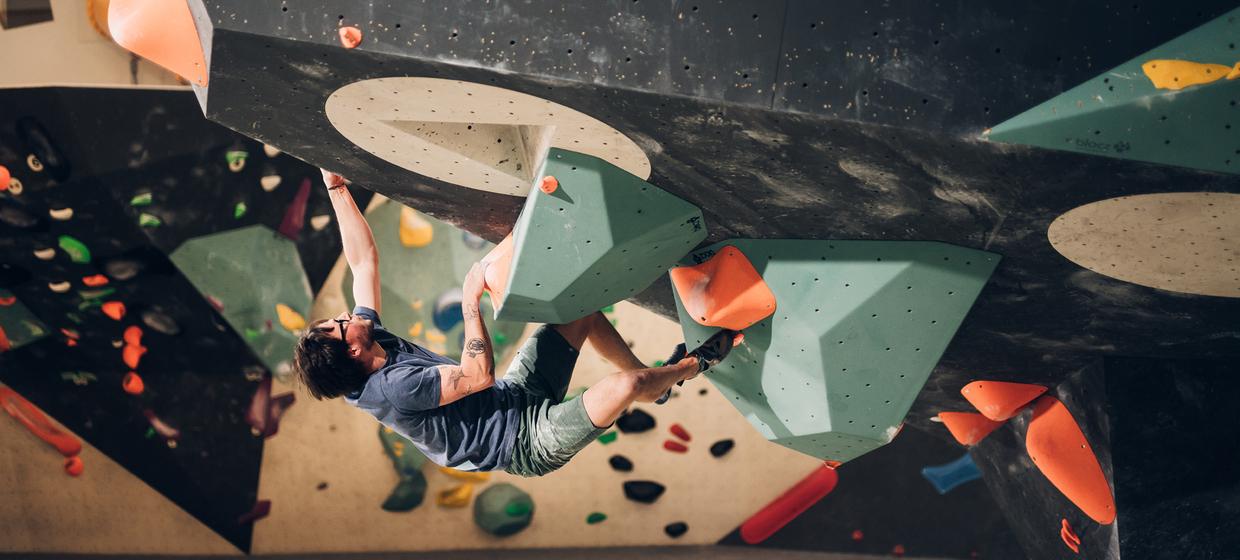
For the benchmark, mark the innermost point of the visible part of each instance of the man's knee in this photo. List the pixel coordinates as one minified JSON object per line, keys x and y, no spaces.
{"x":576,"y":332}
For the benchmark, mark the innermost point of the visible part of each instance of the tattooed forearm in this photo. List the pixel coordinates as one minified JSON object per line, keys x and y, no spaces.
{"x":475,"y":346}
{"x":470,"y":311}
{"x":455,"y":377}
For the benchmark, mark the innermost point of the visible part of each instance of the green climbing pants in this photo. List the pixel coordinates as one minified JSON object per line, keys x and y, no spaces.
{"x":551,"y":431}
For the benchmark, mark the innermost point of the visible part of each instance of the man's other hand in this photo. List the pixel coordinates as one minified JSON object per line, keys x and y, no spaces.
{"x":475,"y":283}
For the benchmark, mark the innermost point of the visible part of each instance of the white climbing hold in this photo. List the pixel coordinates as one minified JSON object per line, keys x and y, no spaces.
{"x":270,"y":182}
{"x":45,"y":254}
{"x":62,"y":214}
{"x":270,"y":150}
{"x":33,"y":163}
{"x":320,"y":222}
{"x":58,"y":287}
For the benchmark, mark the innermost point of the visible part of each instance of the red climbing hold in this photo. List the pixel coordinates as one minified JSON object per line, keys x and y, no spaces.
{"x":897,"y":550}
{"x":7,"y":301}
{"x":548,"y":184}
{"x":725,"y":291}
{"x":1000,"y":400}
{"x":350,"y":36}
{"x":857,"y":535}
{"x":5,"y":345}
{"x":1069,"y":537}
{"x":38,"y":423}
{"x":94,"y":281}
{"x":4,"y":178}
{"x":114,"y":309}
{"x":133,"y":384}
{"x":1058,"y":447}
{"x":295,"y":216}
{"x":968,"y":427}
{"x":676,"y":446}
{"x":261,"y":509}
{"x":789,"y":505}
{"x":74,"y":466}
{"x":680,"y":432}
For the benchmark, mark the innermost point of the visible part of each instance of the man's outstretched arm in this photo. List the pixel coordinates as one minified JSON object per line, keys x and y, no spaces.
{"x":359,"y":242}
{"x":477,"y":369}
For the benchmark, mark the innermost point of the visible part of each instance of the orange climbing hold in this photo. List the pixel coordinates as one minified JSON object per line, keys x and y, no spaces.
{"x":549,"y":184}
{"x":725,"y":291}
{"x":350,"y":36}
{"x":1069,"y":537}
{"x":74,"y":466}
{"x":95,"y":281}
{"x":38,"y":423}
{"x":133,"y":335}
{"x":1000,"y":400}
{"x":497,"y":262}
{"x":161,"y":32}
{"x":4,"y":178}
{"x":114,"y":309}
{"x":132,"y":384}
{"x":1058,"y":447}
{"x":968,"y":427}
{"x":132,"y":354}
{"x":5,"y":344}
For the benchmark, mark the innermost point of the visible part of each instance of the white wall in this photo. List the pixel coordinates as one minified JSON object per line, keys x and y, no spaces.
{"x":67,"y":50}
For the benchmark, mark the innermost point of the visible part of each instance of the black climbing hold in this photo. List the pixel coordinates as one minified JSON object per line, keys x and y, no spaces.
{"x":159,"y":321}
{"x":322,"y":486}
{"x":621,"y":463}
{"x":675,"y":530}
{"x":635,"y":421}
{"x":701,"y":391}
{"x":644,"y":491}
{"x":13,"y":215}
{"x":721,"y":447}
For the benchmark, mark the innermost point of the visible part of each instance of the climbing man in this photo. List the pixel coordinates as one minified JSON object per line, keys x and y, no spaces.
{"x":458,"y":414}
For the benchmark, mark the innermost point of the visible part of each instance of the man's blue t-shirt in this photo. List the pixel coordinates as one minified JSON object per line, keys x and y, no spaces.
{"x":473,"y":433}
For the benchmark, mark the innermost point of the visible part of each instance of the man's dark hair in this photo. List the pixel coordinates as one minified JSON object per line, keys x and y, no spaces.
{"x":324,"y":366}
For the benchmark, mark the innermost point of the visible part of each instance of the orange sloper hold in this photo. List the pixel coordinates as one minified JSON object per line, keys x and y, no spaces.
{"x":132,"y":384}
{"x":133,"y":335}
{"x":968,"y":427}
{"x":161,"y":32}
{"x":132,"y":355}
{"x":725,"y":291}
{"x":74,"y":466}
{"x":114,"y":309}
{"x":1059,"y":449}
{"x":350,"y":37}
{"x":549,"y":184}
{"x":38,"y":423}
{"x":497,"y":263}
{"x":1000,"y":400}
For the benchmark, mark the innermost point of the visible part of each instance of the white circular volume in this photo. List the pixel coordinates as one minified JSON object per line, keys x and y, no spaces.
{"x":473,"y":135}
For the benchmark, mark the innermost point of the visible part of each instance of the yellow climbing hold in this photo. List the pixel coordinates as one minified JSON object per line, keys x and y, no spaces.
{"x":416,"y":330}
{"x":290,"y":319}
{"x":466,"y":476}
{"x":456,"y":497}
{"x":434,"y":336}
{"x":1179,"y":74}
{"x":416,"y":304}
{"x":415,"y":231}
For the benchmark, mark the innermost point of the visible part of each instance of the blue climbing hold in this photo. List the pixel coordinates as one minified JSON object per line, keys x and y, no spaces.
{"x":448,"y":310}
{"x":947,"y":476}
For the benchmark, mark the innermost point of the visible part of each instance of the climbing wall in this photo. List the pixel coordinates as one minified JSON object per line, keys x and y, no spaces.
{"x":858,"y":327}
{"x":108,"y":336}
{"x":591,"y":235}
{"x":1174,"y":104}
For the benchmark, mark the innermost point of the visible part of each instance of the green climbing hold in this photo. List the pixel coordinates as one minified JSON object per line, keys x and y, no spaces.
{"x":143,"y":199}
{"x":595,"y":518}
{"x":147,"y":220}
{"x":602,"y":236}
{"x":503,"y":509}
{"x":252,"y":334}
{"x":77,"y":250}
{"x":239,"y":210}
{"x":859,"y":327}
{"x":499,"y":339}
{"x":1170,"y":105}
{"x":607,"y":438}
{"x":608,"y":309}
{"x":96,"y":293}
{"x":408,"y":493}
{"x":659,"y":363}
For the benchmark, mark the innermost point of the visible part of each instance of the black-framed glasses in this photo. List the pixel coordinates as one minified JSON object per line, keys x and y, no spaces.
{"x":343,"y":324}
